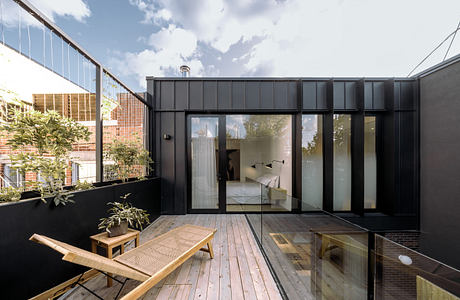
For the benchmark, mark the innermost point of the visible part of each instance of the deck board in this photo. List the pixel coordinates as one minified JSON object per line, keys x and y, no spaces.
{"x":238,"y":270}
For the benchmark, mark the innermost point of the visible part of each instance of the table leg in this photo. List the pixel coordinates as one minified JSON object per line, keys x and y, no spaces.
{"x":136,"y":243}
{"x":109,"y":255}
{"x":93,"y":247}
{"x":122,"y":248}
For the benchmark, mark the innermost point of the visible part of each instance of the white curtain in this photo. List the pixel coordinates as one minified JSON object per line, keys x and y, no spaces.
{"x":204,"y":179}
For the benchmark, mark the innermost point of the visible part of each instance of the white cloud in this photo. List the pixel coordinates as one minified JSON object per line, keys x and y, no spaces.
{"x":76,"y":9}
{"x":171,"y":47}
{"x":296,"y":37}
{"x":12,"y":14}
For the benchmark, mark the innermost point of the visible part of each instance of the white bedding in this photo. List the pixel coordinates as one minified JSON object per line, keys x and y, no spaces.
{"x":246,"y":193}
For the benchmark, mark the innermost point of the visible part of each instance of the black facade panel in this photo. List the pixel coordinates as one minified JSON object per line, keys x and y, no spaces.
{"x":157,"y":94}
{"x":379,"y":95}
{"x":350,"y":95}
{"x":407,"y":166}
{"x":321,"y":95}
{"x":309,"y":95}
{"x":292,"y":96}
{"x":210,"y":95}
{"x":397,"y":95}
{"x":368,"y":95}
{"x":180,"y":164}
{"x":440,"y":164}
{"x":266,"y":94}
{"x":224,"y":94}
{"x":181,"y":93}
{"x":196,"y":95}
{"x":167,"y":95}
{"x":252,"y":95}
{"x":407,"y":101}
{"x":281,"y":94}
{"x":167,"y":162}
{"x":339,"y":95}
{"x":238,"y":94}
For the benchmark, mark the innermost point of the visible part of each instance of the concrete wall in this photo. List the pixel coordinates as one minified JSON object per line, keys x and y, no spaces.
{"x":440,"y":164}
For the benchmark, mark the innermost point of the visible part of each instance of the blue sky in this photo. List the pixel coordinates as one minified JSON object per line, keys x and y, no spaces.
{"x":332,"y":38}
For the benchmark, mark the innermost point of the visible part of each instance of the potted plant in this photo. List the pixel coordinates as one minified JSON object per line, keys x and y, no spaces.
{"x":122,"y":215}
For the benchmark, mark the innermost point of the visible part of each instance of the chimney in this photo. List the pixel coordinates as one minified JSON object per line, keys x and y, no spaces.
{"x":185,"y":71}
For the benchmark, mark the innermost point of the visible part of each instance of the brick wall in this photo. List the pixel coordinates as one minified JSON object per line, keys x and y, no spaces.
{"x":395,"y":280}
{"x":126,"y":123}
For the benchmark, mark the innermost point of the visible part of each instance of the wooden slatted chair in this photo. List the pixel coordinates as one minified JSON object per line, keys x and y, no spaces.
{"x":149,"y":263}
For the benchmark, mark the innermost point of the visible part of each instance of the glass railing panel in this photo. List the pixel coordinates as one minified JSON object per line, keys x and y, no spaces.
{"x":339,"y":265}
{"x":312,"y":255}
{"x":402,"y":273}
{"x":41,"y":72}
{"x":124,"y":120}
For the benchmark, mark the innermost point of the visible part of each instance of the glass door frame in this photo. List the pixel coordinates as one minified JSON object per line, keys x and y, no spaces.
{"x":222,"y":155}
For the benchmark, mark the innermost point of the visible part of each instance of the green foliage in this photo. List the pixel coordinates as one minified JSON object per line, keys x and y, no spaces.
{"x":10,"y":194}
{"x":263,"y":125}
{"x":124,"y":212}
{"x":51,"y":137}
{"x":126,"y":155}
{"x":83,"y":185}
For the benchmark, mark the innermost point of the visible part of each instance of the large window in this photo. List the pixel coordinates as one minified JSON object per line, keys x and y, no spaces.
{"x":342,"y":162}
{"x":259,"y":162}
{"x":370,"y":164}
{"x":312,"y":162}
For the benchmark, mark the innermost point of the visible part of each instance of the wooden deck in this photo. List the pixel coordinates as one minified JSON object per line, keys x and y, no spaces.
{"x":238,"y":270}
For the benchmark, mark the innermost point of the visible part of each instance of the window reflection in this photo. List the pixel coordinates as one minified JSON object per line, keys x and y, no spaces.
{"x":312,"y":162}
{"x":342,"y":162}
{"x":370,"y":164}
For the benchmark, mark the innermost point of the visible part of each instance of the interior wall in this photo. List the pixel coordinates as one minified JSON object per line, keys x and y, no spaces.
{"x":440,"y":164}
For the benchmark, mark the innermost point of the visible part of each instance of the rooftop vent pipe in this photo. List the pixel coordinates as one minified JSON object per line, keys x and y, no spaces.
{"x":185,"y":71}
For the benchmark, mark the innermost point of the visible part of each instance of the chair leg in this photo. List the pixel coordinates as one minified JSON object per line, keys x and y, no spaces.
{"x":211,"y":252}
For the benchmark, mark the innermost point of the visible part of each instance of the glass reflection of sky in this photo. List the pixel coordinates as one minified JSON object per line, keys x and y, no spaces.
{"x":309,"y":128}
{"x":235,"y":126}
{"x":202,"y":126}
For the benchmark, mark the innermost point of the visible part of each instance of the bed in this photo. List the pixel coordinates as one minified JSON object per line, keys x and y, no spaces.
{"x":253,"y":191}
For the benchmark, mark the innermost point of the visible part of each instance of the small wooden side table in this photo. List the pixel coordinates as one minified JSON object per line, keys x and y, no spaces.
{"x":103,"y":240}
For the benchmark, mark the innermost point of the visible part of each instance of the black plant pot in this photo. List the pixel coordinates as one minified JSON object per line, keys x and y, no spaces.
{"x":118,"y":229}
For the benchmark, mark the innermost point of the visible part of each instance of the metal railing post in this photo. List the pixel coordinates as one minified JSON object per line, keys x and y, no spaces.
{"x":99,"y":91}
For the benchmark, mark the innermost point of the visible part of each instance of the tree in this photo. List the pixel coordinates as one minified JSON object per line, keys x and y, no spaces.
{"x":126,"y":157}
{"x":41,"y":143}
{"x":266,"y":125}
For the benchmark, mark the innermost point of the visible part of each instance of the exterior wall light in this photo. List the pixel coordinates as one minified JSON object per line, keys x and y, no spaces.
{"x":166,"y":136}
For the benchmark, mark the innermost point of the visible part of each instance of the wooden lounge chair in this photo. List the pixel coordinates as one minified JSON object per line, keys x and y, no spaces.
{"x":149,"y":263}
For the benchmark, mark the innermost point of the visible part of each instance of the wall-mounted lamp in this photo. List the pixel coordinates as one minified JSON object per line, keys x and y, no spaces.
{"x":166,"y":136}
{"x":270,"y":165}
{"x":257,"y":163}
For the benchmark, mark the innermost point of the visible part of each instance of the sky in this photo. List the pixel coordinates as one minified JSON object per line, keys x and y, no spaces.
{"x":273,"y":38}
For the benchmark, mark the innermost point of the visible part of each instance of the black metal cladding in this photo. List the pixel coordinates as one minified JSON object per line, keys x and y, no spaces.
{"x":393,"y":101}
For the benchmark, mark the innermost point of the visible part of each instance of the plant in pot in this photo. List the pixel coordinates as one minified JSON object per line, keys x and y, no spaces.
{"x":122,"y":215}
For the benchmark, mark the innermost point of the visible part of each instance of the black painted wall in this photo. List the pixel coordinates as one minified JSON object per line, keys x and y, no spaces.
{"x":440,"y":164}
{"x":28,"y":268}
{"x":393,"y":100}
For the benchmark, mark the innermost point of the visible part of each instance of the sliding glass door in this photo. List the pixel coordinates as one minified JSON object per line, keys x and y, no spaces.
{"x":240,"y":163}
